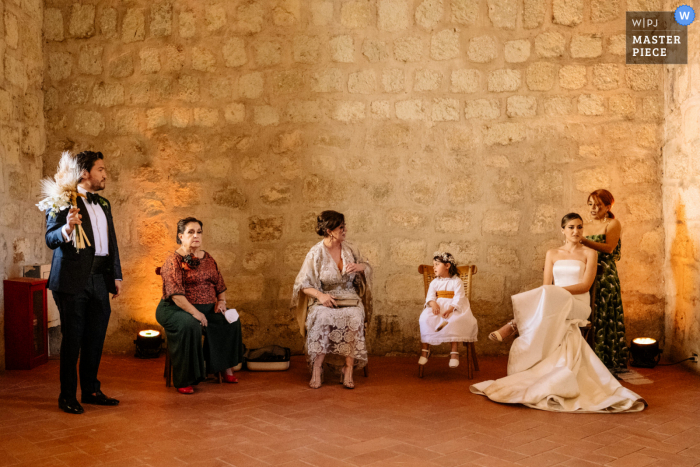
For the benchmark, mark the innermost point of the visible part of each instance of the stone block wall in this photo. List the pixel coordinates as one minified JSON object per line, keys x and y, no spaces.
{"x":681,"y":202}
{"x":466,"y":125}
{"x":22,"y":141}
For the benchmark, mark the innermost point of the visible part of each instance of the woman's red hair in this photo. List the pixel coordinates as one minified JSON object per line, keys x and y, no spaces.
{"x":605,"y":197}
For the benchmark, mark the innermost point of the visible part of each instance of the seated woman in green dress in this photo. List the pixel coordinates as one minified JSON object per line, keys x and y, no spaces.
{"x":194,"y":298}
{"x":602,"y":233}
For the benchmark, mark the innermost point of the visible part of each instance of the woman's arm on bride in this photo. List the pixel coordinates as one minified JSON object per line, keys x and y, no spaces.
{"x":612,"y":236}
{"x":588,"y":275}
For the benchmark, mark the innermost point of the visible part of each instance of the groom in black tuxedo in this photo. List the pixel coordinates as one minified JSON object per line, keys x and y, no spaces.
{"x":81,"y":283}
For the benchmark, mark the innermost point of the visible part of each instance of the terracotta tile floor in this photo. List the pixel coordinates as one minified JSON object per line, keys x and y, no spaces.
{"x":392,"y":418}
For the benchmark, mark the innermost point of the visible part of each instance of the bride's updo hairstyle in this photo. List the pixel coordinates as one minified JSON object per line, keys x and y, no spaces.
{"x":328,"y":220}
{"x":605,"y":197}
{"x":569,"y":217}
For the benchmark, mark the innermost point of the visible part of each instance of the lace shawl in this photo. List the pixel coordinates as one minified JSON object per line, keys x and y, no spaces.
{"x":309,"y":277}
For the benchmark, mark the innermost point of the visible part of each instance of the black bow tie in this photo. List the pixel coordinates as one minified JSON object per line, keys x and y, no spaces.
{"x":92,"y":198}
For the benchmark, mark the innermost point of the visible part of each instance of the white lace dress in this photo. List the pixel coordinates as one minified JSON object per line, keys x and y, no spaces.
{"x":461,"y":325}
{"x":335,"y":332}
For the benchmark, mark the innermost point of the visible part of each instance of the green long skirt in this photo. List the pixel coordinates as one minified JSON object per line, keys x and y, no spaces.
{"x":223,"y":343}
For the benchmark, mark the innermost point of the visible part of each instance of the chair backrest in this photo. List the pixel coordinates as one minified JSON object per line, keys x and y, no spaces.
{"x":465,"y":273}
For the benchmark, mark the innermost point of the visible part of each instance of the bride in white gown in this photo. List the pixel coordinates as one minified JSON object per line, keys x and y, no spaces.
{"x":550,"y":365}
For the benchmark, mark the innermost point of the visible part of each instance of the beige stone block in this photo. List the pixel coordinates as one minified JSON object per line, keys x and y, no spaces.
{"x":250,"y":86}
{"x":550,"y":45}
{"x":133,"y":26}
{"x":6,"y":107}
{"x":234,"y":113}
{"x":88,"y":122}
{"x":501,"y":222}
{"x":544,"y":219}
{"x":642,"y":77}
{"x":405,"y":287}
{"x":322,"y":12}
{"x":203,"y":59}
{"x":504,"y":80}
{"x":533,"y":13}
{"x":108,"y":22}
{"x":188,"y":87}
{"x":161,"y":19}
{"x":653,"y":108}
{"x":287,"y":82}
{"x":156,"y":118}
{"x":375,"y":50}
{"x":644,"y":207}
{"x":277,"y":195}
{"x":393,"y":80}
{"x":234,"y":52}
{"x":305,"y":49}
{"x":487,"y":109}
{"x":230,"y":197}
{"x":409,"y":49}
{"x":546,"y":183}
{"x":389,"y":136}
{"x":422,"y":192}
{"x":214,"y":16}
{"x":250,"y":17}
{"x":589,"y":180}
{"x":172,"y":59}
{"x":640,"y":171}
{"x":90,"y":59}
{"x":11,"y":30}
{"x":503,"y":13}
{"x":125,"y":122}
{"x":509,"y":189}
{"x":572,"y":76}
{"x":299,"y":111}
{"x":82,"y":20}
{"x":357,"y":14}
{"x":465,"y":81}
{"x":465,"y":11}
{"x":427,"y":80}
{"x":79,"y":91}
{"x":257,"y":260}
{"x":411,"y":110}
{"x":567,"y":12}
{"x":342,"y":49}
{"x":265,"y":115}
{"x":108,"y":94}
{"x":187,"y":24}
{"x":586,"y":46}
{"x":205,"y":117}
{"x":53,"y":24}
{"x":150,"y":60}
{"x":328,"y":80}
{"x":393,"y":15}
{"x":268,"y":53}
{"x":10,"y":140}
{"x":445,"y":110}
{"x":521,"y":106}
{"x":482,"y":49}
{"x":381,"y":110}
{"x":646,"y":136}
{"x":617,"y":44}
{"x":452,"y":222}
{"x":591,"y":104}
{"x":558,"y":105}
{"x":407,"y":252}
{"x":15,"y":72}
{"x":623,"y":104}
{"x":181,"y":117}
{"x":604,"y":10}
{"x":505,"y":133}
{"x":589,"y":152}
{"x":444,"y":45}
{"x":541,"y":76}
{"x":362,"y":82}
{"x":517,"y":51}
{"x":121,"y":66}
{"x":501,"y":256}
{"x":286,"y":12}
{"x":429,"y":13}
{"x":406,"y":219}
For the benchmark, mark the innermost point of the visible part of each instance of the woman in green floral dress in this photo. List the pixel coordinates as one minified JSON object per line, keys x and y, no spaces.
{"x":602,"y":233}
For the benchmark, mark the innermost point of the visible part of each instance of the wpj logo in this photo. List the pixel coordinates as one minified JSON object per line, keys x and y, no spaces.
{"x":655,"y":37}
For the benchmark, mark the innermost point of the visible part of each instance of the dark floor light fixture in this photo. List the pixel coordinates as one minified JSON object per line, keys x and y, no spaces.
{"x":149,"y":343}
{"x":645,"y":352}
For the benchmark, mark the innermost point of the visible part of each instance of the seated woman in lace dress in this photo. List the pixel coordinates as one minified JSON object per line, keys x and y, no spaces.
{"x":332,"y":293}
{"x":550,"y":365}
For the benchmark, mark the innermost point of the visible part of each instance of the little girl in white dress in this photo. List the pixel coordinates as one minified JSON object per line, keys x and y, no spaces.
{"x":447,"y":316}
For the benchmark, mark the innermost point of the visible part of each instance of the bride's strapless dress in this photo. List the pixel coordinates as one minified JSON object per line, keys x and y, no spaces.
{"x":550,"y":365}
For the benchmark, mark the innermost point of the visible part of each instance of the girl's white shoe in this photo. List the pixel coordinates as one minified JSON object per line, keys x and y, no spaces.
{"x":424,"y":359}
{"x":454,"y":361}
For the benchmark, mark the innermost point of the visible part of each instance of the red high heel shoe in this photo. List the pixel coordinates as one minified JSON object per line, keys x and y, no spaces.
{"x":230,"y":379}
{"x":187,"y":390}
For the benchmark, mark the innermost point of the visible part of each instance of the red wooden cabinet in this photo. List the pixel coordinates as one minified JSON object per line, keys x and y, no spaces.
{"x":26,"y":333}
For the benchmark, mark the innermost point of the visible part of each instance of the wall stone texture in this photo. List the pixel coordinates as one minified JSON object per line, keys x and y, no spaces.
{"x":470,"y":125}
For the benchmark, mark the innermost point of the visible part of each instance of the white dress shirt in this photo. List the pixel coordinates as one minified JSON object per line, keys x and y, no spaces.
{"x":98,"y":220}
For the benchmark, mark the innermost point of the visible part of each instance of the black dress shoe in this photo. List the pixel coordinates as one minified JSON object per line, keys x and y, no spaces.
{"x":98,"y":399}
{"x":70,"y":406}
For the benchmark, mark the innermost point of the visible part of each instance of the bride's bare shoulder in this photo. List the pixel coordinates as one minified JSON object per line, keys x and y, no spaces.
{"x":552,"y":252}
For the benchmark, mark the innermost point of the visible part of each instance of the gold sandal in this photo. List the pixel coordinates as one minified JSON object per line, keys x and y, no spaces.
{"x":346,"y":384}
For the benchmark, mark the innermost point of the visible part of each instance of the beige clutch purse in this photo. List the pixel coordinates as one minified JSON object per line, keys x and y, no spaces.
{"x":346,"y":302}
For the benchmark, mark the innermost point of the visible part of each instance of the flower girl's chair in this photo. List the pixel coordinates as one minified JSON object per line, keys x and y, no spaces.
{"x":465,"y":273}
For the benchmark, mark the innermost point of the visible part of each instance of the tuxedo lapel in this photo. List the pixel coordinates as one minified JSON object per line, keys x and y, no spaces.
{"x":87,"y":224}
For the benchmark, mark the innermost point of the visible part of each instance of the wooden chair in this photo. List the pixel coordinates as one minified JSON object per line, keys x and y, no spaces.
{"x":465,"y":273}
{"x":168,"y":371}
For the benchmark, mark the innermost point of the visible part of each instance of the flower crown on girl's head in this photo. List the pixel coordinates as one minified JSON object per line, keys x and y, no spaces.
{"x":445,"y":257}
